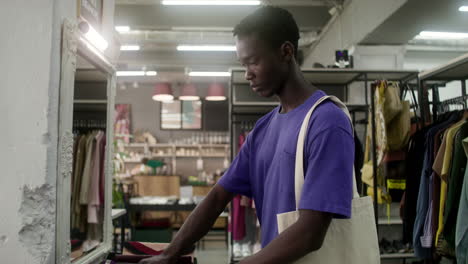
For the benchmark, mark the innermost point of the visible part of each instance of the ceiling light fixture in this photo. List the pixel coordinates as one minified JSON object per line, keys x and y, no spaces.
{"x":130,"y":73}
{"x":129,"y":47}
{"x":212,"y":2}
{"x":136,"y":73}
{"x":441,"y":35}
{"x":207,"y":29}
{"x":163,"y":92}
{"x":122,"y":28}
{"x":93,"y":37}
{"x":151,"y":73}
{"x":189,"y":93}
{"x":206,"y":48}
{"x":216,"y":93}
{"x":463,"y":9}
{"x":210,"y":74}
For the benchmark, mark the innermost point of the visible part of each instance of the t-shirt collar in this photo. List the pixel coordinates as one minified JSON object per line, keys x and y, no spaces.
{"x":307,"y":103}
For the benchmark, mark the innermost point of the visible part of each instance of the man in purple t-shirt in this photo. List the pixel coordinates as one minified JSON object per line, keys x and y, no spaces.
{"x":267,"y":43}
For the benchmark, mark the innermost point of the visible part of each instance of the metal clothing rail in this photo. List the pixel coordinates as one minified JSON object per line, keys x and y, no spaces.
{"x":454,"y":70}
{"x":444,"y":106}
{"x":326,"y":77}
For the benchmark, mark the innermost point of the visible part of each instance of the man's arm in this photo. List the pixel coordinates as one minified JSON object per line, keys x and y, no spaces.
{"x":301,"y":238}
{"x":196,"y":226}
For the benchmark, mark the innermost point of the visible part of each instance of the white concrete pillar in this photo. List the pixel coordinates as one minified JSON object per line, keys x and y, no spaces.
{"x":357,"y":19}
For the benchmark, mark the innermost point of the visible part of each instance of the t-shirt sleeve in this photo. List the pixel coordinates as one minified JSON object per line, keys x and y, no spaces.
{"x":328,"y":166}
{"x":237,"y":178}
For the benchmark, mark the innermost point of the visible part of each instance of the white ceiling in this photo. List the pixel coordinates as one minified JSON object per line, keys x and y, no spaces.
{"x":421,"y":15}
{"x":158,"y":29}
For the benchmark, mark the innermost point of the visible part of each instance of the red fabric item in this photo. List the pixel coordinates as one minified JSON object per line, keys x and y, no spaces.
{"x":143,"y":249}
{"x":398,"y":155}
{"x":136,"y":251}
{"x":161,"y":223}
{"x":136,"y":259}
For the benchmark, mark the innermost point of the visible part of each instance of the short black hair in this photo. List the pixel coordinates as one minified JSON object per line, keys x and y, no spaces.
{"x":272,"y":24}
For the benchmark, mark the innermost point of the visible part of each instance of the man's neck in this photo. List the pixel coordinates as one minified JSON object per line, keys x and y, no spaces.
{"x":295,"y":92}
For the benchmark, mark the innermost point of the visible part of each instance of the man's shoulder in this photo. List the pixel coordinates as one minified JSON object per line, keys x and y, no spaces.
{"x":330,"y":116}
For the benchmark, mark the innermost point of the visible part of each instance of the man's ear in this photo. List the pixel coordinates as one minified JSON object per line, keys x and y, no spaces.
{"x":287,"y":51}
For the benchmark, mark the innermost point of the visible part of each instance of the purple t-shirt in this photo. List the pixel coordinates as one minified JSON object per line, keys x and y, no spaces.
{"x":264,"y":167}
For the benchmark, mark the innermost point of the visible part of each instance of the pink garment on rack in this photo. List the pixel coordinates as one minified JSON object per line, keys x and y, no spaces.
{"x":241,"y":140}
{"x":238,"y":219}
{"x":239,"y":203}
{"x":93,"y":194}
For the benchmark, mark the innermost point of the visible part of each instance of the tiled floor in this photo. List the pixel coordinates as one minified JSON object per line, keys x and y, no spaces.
{"x":214,"y":253}
{"x":212,"y":256}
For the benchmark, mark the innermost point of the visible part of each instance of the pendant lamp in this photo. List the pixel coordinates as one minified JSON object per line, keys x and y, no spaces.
{"x":189,"y":93}
{"x":216,"y":93}
{"x":163,"y":92}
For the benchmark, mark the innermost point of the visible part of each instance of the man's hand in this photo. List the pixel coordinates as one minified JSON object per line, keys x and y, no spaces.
{"x":161,"y":259}
{"x":195,"y":227}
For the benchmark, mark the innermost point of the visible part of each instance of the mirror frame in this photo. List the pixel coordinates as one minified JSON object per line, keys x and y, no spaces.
{"x":73,"y":44}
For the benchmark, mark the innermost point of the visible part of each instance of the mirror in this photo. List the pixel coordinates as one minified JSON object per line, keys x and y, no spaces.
{"x":88,"y":179}
{"x":170,"y":115}
{"x":191,"y":114}
{"x":181,"y":115}
{"x":84,"y":183}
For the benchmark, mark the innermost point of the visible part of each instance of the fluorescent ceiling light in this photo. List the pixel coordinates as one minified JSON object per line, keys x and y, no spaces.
{"x":151,"y":73}
{"x":210,"y":74}
{"x":130,"y":73}
{"x":209,"y":29}
{"x":96,"y":39}
{"x":441,"y":35}
{"x":463,"y":9}
{"x":136,"y":73}
{"x":206,"y":48}
{"x":212,"y":2}
{"x":129,"y":47}
{"x":122,"y":28}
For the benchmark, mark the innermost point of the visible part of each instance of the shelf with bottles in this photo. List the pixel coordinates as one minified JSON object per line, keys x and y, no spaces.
{"x":139,"y":151}
{"x":204,"y":156}
{"x":203,"y":138}
{"x":173,"y":145}
{"x":138,"y":159}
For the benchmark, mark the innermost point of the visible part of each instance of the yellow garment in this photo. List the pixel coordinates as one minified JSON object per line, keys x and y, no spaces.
{"x":449,"y":138}
{"x":449,"y":149}
{"x":380,"y":137}
{"x":439,"y":159}
{"x":398,"y":130}
{"x":443,"y":197}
